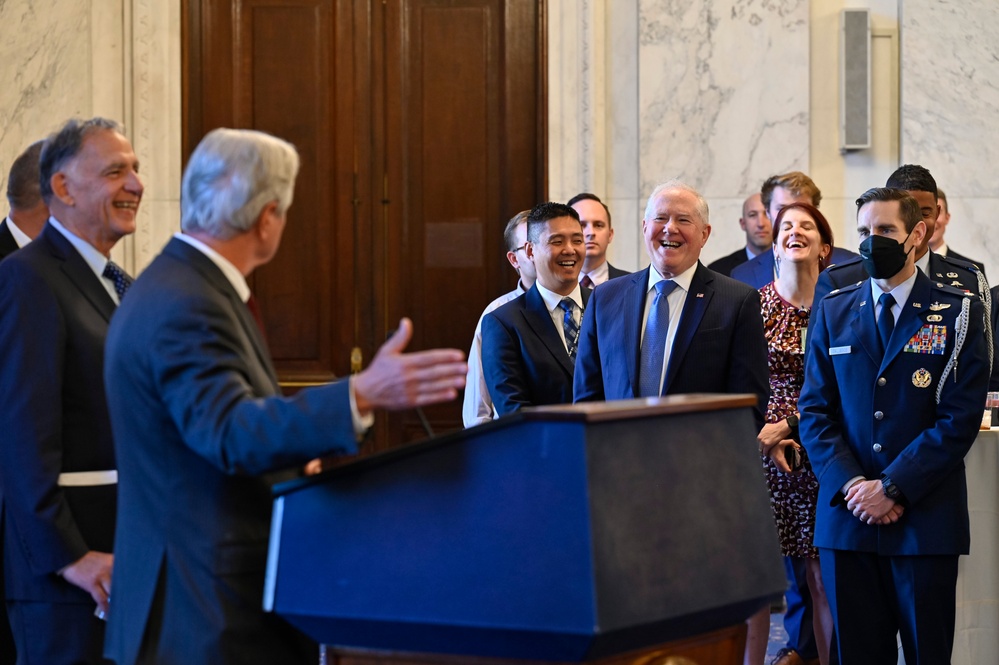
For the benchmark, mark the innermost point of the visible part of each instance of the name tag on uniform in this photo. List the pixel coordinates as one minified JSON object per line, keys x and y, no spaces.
{"x":840,"y":350}
{"x":930,"y":339}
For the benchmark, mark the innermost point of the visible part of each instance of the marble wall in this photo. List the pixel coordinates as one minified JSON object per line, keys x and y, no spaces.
{"x":950,"y":69}
{"x":115,"y":58}
{"x":662,"y":89}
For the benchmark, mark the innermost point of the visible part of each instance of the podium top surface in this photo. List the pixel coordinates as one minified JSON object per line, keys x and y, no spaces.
{"x":583,"y":412}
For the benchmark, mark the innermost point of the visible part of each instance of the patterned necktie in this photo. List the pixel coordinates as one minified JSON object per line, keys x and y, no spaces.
{"x":586,"y":281}
{"x":118,"y":277}
{"x":886,"y":322}
{"x":654,"y":342}
{"x":569,"y":327}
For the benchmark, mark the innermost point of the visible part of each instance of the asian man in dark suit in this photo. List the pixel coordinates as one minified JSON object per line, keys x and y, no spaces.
{"x":895,"y":380}
{"x":532,"y":339}
{"x":697,"y":332}
{"x":199,"y":420}
{"x":57,"y":464}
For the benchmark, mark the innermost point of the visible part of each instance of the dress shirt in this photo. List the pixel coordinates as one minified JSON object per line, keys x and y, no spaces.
{"x":924,"y":265}
{"x":552,"y":301}
{"x":942,"y":251}
{"x":598,"y":275}
{"x":91,"y":255}
{"x":20,"y":237}
{"x":238,"y":281}
{"x":477,"y":405}
{"x":676,"y":300}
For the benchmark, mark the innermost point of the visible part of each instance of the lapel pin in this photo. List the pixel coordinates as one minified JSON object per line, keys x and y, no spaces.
{"x":936,"y":307}
{"x":934,"y":318}
{"x":917,"y":305}
{"x":700,"y":295}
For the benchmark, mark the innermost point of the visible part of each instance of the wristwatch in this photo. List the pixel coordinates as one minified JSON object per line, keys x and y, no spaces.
{"x":792,"y":422}
{"x":891,"y":490}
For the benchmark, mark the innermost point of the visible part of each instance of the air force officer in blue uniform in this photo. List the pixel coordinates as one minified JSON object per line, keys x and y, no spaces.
{"x":895,"y":384}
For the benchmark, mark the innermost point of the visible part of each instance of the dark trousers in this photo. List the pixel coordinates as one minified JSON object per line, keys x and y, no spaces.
{"x":56,"y":634}
{"x":8,"y":654}
{"x":798,"y":618}
{"x":874,"y":597}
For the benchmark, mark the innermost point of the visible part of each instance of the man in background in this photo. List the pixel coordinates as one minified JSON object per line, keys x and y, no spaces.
{"x":598,"y":231}
{"x":759,"y":236}
{"x":477,"y":405}
{"x":937,"y":242}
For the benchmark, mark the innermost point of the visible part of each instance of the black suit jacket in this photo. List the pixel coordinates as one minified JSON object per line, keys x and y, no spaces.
{"x":526,"y":363}
{"x":951,"y":254}
{"x":725,"y":264}
{"x":719,"y":346}
{"x":7,"y":243}
{"x":198,"y":418}
{"x":54,"y":418}
{"x":994,"y":381}
{"x":615,"y":272}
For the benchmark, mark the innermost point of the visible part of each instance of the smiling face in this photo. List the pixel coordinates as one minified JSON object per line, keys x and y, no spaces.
{"x":558,"y":254}
{"x":99,"y":189}
{"x":928,"y":207}
{"x":674,"y":232}
{"x":799,"y":240}
{"x":597,"y":231}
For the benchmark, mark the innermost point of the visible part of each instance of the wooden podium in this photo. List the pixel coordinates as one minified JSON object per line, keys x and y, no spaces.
{"x":621,"y":532}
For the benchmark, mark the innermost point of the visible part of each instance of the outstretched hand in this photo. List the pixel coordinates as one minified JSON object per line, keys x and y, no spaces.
{"x":396,"y":380}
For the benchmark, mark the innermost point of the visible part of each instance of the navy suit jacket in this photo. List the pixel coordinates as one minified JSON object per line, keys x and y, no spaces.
{"x":726,"y":264}
{"x":759,"y":271}
{"x":198,"y":419}
{"x":864,"y":414}
{"x":951,"y":254}
{"x":719,"y":345}
{"x":524,"y":360}
{"x":615,"y":272}
{"x":54,"y":417}
{"x":7,"y":243}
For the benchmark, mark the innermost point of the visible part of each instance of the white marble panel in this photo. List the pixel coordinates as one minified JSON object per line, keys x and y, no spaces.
{"x":723,"y":92}
{"x":628,"y":249}
{"x":46,"y":74}
{"x":972,"y":231}
{"x":726,"y":235}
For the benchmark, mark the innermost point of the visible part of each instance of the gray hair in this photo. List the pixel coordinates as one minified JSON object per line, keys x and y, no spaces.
{"x":64,"y":145}
{"x":231,"y":176}
{"x":702,"y":205}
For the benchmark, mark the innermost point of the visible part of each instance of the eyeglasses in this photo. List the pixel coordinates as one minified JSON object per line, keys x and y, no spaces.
{"x":517,"y":249}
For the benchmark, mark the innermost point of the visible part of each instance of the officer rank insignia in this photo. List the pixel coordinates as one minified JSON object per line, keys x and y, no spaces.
{"x":930,"y":339}
{"x":921,"y":378}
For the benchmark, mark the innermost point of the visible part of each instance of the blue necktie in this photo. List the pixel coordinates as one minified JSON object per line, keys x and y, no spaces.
{"x":654,"y":342}
{"x":886,"y":322}
{"x":118,"y":277}
{"x":569,"y":327}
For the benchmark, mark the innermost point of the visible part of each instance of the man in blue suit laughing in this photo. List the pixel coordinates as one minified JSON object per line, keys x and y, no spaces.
{"x":895,"y":382}
{"x":675,"y":327}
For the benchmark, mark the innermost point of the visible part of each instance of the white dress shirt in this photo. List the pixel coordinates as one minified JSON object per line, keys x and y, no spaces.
{"x":20,"y":237}
{"x":598,"y":275}
{"x":552,"y":301}
{"x":91,"y":255}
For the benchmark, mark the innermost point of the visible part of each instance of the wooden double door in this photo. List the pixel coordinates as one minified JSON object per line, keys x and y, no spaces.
{"x":420,"y":125}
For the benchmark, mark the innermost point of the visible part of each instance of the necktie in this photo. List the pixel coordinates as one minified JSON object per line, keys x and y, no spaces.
{"x":118,"y":277}
{"x":654,"y":342}
{"x":586,"y":281}
{"x":886,"y":322}
{"x":569,"y":327}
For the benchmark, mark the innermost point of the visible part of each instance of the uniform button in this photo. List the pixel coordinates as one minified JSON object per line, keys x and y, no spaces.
{"x":877,"y":447}
{"x":882,"y":381}
{"x":878,"y":415}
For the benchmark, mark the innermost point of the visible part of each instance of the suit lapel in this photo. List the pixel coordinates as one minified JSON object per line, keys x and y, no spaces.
{"x":204,"y":265}
{"x":696,"y":304}
{"x":540,"y":321}
{"x":633,"y":321}
{"x":78,"y":271}
{"x":863,"y":324}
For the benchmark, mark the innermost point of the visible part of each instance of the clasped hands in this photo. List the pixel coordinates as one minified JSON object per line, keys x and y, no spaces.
{"x":867,"y":501}
{"x":774,"y":439}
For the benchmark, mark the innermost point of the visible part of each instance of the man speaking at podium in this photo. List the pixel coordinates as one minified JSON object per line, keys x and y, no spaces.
{"x":198,"y":419}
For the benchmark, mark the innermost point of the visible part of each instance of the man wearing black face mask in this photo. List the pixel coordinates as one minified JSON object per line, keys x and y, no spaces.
{"x":894,"y":385}
{"x":919,"y":183}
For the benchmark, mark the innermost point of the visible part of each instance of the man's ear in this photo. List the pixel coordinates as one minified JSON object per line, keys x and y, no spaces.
{"x":60,"y":188}
{"x":265,"y":225}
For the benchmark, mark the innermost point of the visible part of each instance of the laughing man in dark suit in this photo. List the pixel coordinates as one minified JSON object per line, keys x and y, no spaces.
{"x":532,"y":339}
{"x":57,"y":464}
{"x":709,"y":338}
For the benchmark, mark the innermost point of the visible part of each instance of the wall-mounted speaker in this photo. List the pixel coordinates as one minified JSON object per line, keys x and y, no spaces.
{"x":855,"y":79}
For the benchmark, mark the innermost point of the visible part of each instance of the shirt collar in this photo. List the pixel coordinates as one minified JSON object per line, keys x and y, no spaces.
{"x":598,"y":275}
{"x":20,"y":237}
{"x":924,"y":263}
{"x":90,"y":254}
{"x":230,"y":271}
{"x":900,"y":292}
{"x":682,"y":280}
{"x":552,"y":299}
